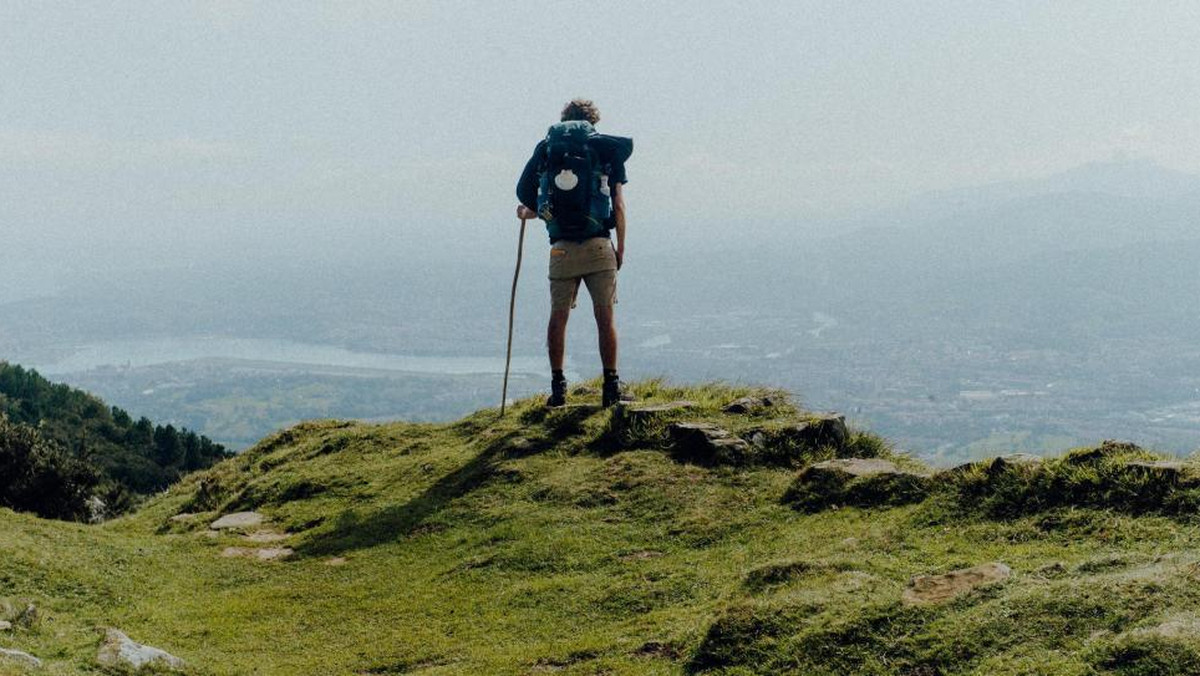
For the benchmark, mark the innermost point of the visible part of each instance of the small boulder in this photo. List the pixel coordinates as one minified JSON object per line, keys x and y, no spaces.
{"x":931,"y":589}
{"x":27,"y":618}
{"x":5,"y":625}
{"x":826,"y":430}
{"x":237,"y":520}
{"x":1004,"y":463}
{"x":744,"y":405}
{"x":264,"y":554}
{"x":1105,"y":450}
{"x":707,"y":443}
{"x":860,"y":482}
{"x":97,"y":510}
{"x":184,"y":517}
{"x":266,"y":536}
{"x":119,"y":650}
{"x":23,"y":658}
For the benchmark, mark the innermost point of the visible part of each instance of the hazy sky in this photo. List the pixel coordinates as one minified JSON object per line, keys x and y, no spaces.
{"x":192,"y":129}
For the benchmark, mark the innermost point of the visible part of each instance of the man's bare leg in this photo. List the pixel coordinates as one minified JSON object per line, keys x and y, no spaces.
{"x":556,"y":337}
{"x":606,"y":328}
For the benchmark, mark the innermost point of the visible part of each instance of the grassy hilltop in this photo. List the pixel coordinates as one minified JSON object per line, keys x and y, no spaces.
{"x":629,"y":541}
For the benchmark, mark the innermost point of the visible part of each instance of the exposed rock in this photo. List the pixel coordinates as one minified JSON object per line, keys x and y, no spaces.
{"x":1006,"y":462}
{"x":928,"y":589}
{"x":266,"y":536}
{"x":858,"y":467}
{"x":264,"y":554}
{"x":820,"y":431}
{"x":1106,"y":449}
{"x":19,"y":657}
{"x":5,"y":625}
{"x":97,"y":510}
{"x":237,"y":520}
{"x":704,"y":442}
{"x":635,"y":424}
{"x":119,"y":650}
{"x":184,"y":517}
{"x":743,"y":405}
{"x":996,"y":465}
{"x":27,"y":618}
{"x":862,"y":482}
{"x":336,"y":561}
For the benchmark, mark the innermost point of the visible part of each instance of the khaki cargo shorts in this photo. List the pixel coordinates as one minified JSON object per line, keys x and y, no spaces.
{"x":592,"y":262}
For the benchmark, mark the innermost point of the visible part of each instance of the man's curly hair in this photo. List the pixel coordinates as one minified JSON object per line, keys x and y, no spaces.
{"x":581,"y":109}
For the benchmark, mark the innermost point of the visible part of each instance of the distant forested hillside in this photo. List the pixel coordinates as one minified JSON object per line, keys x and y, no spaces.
{"x":73,"y":445}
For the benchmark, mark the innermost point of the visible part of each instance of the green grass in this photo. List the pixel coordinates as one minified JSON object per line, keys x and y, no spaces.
{"x":562,"y":542}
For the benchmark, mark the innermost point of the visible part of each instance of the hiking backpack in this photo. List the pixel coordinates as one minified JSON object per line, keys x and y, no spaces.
{"x":573,"y":192}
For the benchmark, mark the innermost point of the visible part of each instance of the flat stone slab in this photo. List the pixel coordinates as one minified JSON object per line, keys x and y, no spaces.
{"x":7,"y":655}
{"x":707,"y":443}
{"x":237,"y":520}
{"x":119,"y":650}
{"x":5,"y":625}
{"x":931,"y":589}
{"x":262,"y":554}
{"x":266,"y":536}
{"x":859,"y":467}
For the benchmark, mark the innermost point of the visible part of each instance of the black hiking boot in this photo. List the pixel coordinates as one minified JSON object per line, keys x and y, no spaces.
{"x":611,"y":394}
{"x":558,"y":393}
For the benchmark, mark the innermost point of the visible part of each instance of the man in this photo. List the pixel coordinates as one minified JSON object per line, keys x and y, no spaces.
{"x":574,"y":182}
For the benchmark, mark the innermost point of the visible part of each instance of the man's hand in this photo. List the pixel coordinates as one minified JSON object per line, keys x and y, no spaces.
{"x":620,"y":257}
{"x":525,"y":213}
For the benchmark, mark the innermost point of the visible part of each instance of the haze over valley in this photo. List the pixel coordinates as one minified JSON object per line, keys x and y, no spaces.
{"x":1033,"y":316}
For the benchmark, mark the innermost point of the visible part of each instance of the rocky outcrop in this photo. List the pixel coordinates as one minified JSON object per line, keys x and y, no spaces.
{"x":856,"y":482}
{"x":931,"y":589}
{"x":746,"y":405}
{"x":237,"y":520}
{"x":19,"y":657}
{"x":706,"y":443}
{"x":118,"y":650}
{"x":635,"y":424}
{"x":797,"y":442}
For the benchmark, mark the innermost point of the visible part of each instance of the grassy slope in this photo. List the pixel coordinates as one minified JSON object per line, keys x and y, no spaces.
{"x":469,"y":552}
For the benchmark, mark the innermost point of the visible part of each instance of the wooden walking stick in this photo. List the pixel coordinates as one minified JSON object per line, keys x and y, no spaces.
{"x":512,"y":308}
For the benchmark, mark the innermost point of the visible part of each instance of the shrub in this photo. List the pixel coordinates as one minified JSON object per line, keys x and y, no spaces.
{"x":38,"y":476}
